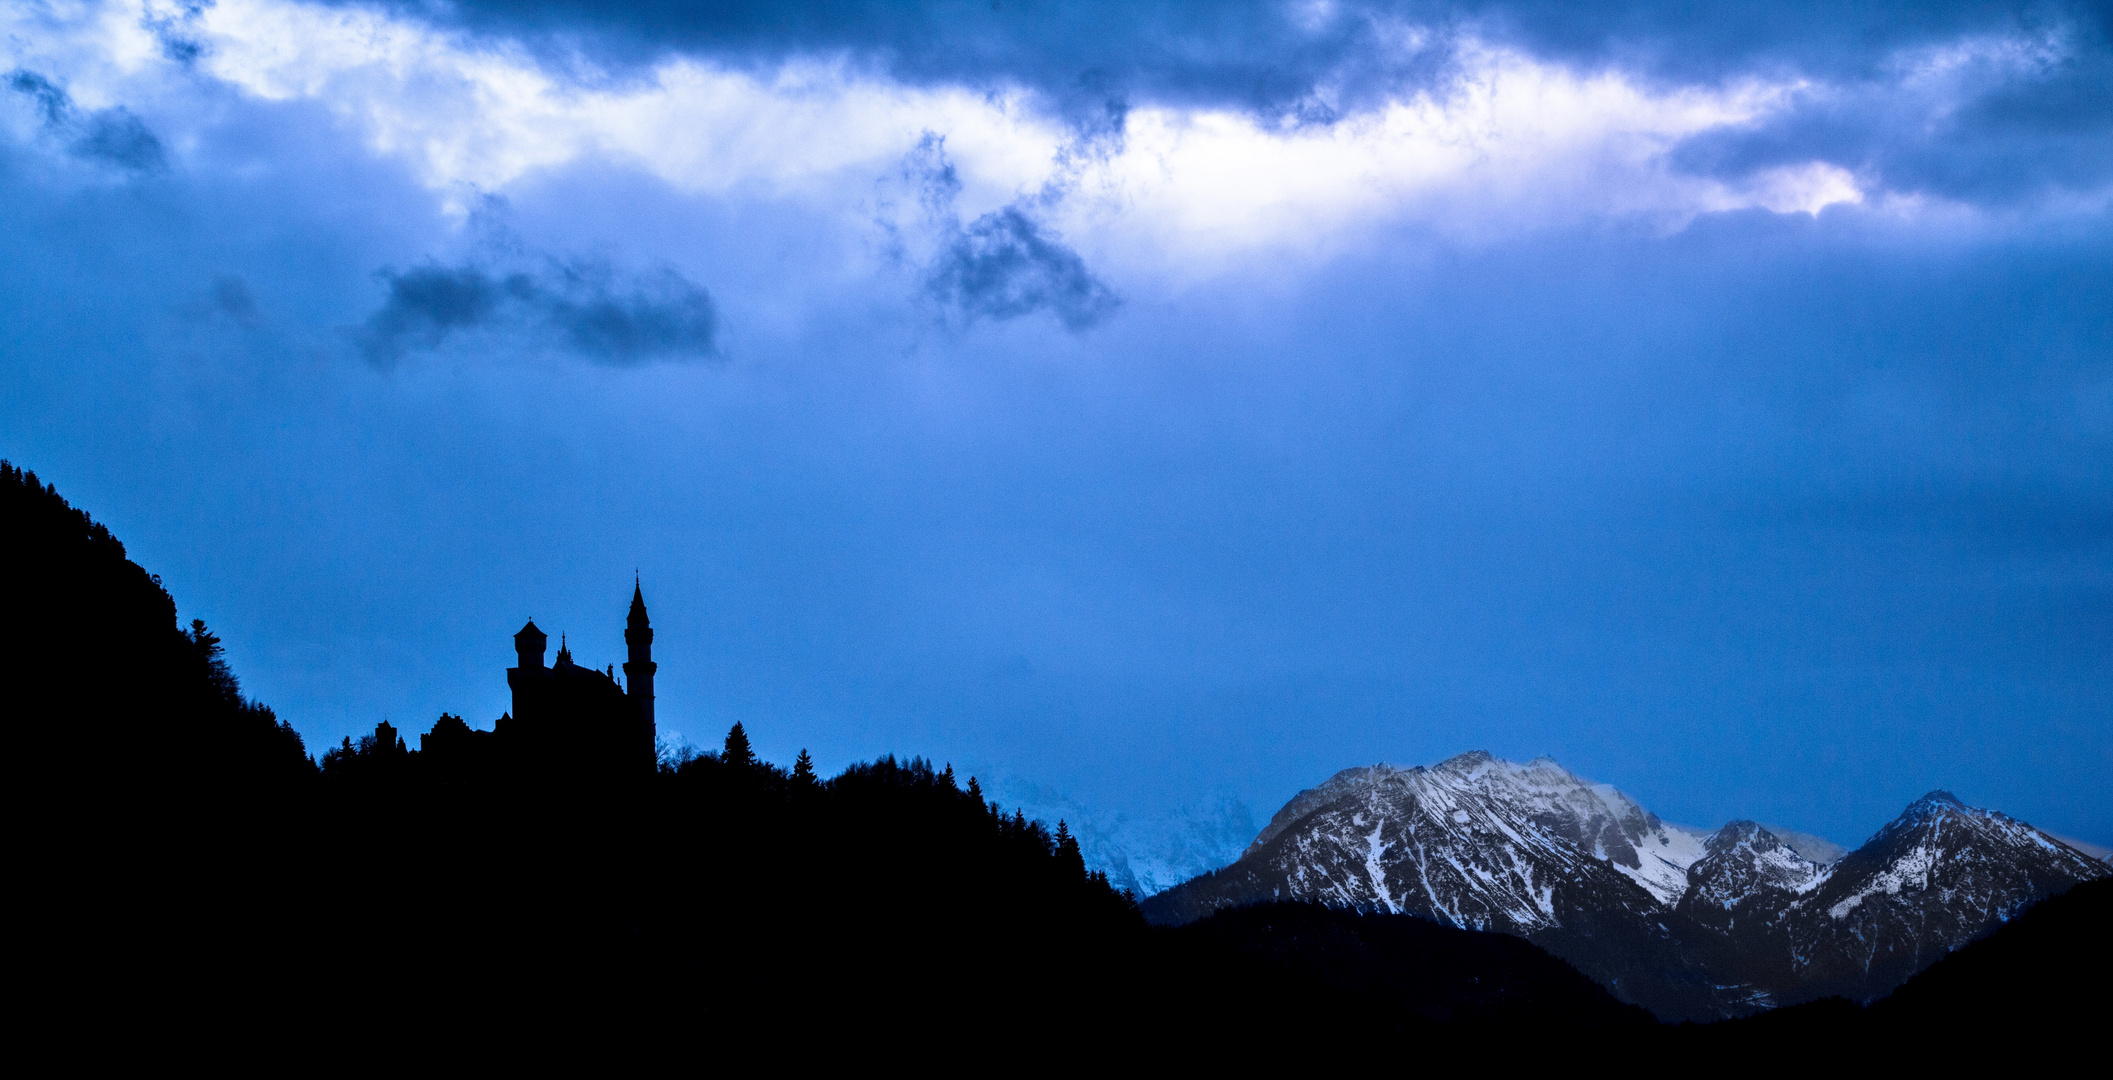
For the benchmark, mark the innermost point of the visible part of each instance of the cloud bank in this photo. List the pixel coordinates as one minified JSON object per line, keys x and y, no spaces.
{"x":1208,"y":136}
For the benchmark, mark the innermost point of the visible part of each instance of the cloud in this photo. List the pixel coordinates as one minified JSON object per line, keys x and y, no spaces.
{"x":580,"y":307}
{"x":113,"y":136}
{"x":1308,"y":61}
{"x":1976,"y":102}
{"x":1298,"y":62}
{"x":1005,"y":264}
{"x":232,"y":299}
{"x":1985,"y":121}
{"x":177,"y":31}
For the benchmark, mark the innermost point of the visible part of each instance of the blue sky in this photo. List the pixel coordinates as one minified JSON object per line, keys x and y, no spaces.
{"x":1158,"y":401}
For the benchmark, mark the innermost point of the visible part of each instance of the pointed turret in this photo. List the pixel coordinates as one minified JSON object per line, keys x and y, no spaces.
{"x":638,"y":670}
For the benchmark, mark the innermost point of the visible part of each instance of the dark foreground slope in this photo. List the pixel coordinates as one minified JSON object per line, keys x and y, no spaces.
{"x":1400,"y":971}
{"x":2034,"y":991}
{"x":2050,"y":970}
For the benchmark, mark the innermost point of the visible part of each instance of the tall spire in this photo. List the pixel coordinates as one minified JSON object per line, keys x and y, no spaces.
{"x":638,"y":671}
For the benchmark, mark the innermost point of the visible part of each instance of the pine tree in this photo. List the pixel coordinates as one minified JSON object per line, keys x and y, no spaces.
{"x":975,"y":790}
{"x":803,"y":770}
{"x":1068,"y":852}
{"x":738,"y":753}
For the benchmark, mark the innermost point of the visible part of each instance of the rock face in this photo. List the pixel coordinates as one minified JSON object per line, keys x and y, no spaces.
{"x":1690,"y":925}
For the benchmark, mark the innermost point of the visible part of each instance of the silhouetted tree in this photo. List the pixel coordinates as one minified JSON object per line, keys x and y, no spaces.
{"x":737,"y":752}
{"x":1068,"y":854}
{"x":803,"y":770}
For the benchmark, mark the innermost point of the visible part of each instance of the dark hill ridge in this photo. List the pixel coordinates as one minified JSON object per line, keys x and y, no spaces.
{"x":1408,"y":969}
{"x":111,"y":682}
{"x":2033,"y":992}
{"x":1693,"y":930}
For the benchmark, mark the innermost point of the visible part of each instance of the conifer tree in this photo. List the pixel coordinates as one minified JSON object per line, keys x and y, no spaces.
{"x":1068,"y":849}
{"x":803,"y":770}
{"x":738,"y":753}
{"x":975,"y":790}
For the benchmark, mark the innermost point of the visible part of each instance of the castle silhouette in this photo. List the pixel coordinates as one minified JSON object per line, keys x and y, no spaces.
{"x":578,"y":717}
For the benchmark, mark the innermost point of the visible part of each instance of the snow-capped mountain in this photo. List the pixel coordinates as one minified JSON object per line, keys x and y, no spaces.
{"x":1938,"y":876}
{"x":1688,"y":923}
{"x":1473,"y":791}
{"x":1747,"y":873}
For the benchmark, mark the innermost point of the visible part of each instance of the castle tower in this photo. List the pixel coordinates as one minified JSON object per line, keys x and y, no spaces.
{"x":527,"y":677}
{"x":638,"y":671}
{"x":529,"y":645}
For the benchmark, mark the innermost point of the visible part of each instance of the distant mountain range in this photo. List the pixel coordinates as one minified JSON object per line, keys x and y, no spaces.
{"x":1144,"y":852}
{"x":1689,"y":924}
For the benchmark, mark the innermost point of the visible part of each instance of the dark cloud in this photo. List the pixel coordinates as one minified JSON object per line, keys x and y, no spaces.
{"x":1992,"y":133}
{"x":1005,"y":264}
{"x":585,"y":308}
{"x":1087,"y":61}
{"x":112,"y":136}
{"x":1283,"y":58}
{"x":232,"y":299}
{"x":653,"y":316}
{"x":177,"y":31}
{"x":53,"y":104}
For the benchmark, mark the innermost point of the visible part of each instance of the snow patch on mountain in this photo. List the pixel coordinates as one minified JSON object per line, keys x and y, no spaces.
{"x":1911,"y":869}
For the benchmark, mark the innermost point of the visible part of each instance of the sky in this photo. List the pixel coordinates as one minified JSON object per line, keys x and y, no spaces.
{"x":1165,"y":403}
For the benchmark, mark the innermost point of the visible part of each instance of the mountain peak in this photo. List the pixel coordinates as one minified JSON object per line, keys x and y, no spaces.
{"x":1742,"y":832}
{"x":1468,"y":762}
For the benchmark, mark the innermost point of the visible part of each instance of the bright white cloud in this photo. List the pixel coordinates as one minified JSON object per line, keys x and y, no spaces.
{"x":1515,"y":143}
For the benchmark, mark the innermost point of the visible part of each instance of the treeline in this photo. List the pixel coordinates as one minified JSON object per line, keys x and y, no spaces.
{"x":106,"y":682}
